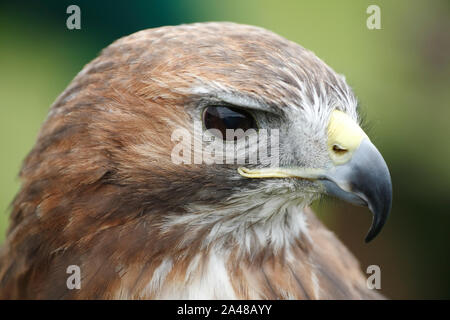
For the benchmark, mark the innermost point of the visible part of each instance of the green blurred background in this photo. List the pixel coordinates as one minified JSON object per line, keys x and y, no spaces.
{"x":400,"y":73}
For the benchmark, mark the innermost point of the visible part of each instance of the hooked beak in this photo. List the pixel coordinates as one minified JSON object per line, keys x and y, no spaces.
{"x":364,"y":180}
{"x":359,"y":175}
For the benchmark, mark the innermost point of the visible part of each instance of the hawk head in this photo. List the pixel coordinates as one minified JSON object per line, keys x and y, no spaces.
{"x":137,"y":178}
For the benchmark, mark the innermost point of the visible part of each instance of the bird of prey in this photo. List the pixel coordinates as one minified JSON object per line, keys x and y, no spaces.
{"x":101,"y":190}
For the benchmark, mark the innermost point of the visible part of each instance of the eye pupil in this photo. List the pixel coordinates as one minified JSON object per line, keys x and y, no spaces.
{"x":223,"y":118}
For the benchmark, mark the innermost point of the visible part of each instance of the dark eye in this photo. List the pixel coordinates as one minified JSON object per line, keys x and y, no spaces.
{"x":222,"y":118}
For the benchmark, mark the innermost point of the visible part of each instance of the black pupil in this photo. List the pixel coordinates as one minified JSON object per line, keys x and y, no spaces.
{"x":222,"y":118}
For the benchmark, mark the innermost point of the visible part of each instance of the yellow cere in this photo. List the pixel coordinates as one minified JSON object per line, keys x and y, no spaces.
{"x":344,"y":137}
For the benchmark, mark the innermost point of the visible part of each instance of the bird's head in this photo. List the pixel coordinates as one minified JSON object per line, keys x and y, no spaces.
{"x":123,"y":139}
{"x":273,"y":122}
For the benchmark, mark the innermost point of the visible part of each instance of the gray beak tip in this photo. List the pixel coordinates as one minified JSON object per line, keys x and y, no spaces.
{"x":381,"y":210}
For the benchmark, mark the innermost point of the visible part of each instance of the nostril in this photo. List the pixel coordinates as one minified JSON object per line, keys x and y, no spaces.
{"x":339,"y":150}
